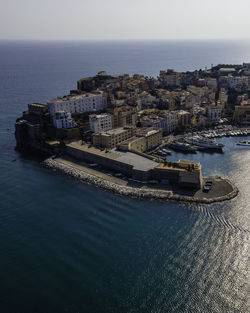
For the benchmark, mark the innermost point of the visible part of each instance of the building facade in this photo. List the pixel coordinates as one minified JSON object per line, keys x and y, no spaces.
{"x":111,"y":138}
{"x":214,"y":113}
{"x":242,"y":114}
{"x":37,"y":108}
{"x":100,"y":122}
{"x":184,"y":118}
{"x":63,"y":119}
{"x":124,"y":116}
{"x":88,"y":102}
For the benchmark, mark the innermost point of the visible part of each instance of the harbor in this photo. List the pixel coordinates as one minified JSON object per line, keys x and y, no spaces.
{"x":204,"y":141}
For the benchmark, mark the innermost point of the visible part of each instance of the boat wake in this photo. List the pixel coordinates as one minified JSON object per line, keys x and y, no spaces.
{"x":219,"y":220}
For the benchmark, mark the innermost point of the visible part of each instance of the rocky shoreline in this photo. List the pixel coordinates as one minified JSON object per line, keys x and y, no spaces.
{"x":133,"y":191}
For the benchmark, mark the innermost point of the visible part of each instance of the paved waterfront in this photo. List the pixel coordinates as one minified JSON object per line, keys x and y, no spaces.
{"x":221,"y":190}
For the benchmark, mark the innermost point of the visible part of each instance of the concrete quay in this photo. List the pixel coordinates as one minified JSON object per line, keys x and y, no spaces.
{"x":222,"y":189}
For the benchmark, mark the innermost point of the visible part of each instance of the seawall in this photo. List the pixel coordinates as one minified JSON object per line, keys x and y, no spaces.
{"x":134,"y":192}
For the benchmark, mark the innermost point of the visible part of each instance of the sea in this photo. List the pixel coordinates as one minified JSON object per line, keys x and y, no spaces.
{"x":66,"y":246}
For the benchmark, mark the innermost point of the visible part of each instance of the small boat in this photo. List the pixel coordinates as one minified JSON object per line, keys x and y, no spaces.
{"x":243,"y":143}
{"x":167,"y":151}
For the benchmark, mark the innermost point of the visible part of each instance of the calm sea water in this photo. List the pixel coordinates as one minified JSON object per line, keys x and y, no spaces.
{"x":69,"y":247}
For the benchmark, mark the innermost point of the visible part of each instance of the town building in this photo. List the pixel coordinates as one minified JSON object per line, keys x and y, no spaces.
{"x":123,"y":116}
{"x":87,"y":102}
{"x":63,"y":119}
{"x":237,"y":83}
{"x":214,"y":113}
{"x":171,"y":78}
{"x":111,"y":138}
{"x":184,"y":118}
{"x":145,"y":139}
{"x":100,"y":122}
{"x":242,"y":113}
{"x":134,"y":144}
{"x":37,"y":108}
{"x":211,"y":83}
{"x":160,"y":119}
{"x":223,"y":97}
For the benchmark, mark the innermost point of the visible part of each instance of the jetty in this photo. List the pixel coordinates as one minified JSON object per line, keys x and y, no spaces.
{"x":222,"y":189}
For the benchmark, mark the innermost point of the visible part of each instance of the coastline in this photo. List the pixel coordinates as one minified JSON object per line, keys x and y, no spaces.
{"x":115,"y":185}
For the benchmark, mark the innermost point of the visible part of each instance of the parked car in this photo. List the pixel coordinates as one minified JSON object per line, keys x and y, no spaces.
{"x":206,"y":188}
{"x":209,"y":183}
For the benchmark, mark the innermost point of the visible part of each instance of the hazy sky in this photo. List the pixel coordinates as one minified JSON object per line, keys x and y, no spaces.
{"x":126,"y":19}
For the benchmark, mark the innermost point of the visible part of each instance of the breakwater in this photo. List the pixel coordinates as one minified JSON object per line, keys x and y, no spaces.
{"x":132,"y":191}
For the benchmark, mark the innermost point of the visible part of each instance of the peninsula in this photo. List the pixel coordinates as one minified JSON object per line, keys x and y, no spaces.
{"x":113,"y":131}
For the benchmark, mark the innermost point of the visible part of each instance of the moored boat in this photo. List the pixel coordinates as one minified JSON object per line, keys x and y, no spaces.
{"x":183,"y":147}
{"x":206,"y":143}
{"x":243,"y":143}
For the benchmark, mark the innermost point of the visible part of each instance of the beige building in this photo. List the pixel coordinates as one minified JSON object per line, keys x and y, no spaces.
{"x":184,"y":118}
{"x":134,"y":144}
{"x":242,"y":113}
{"x":145,"y":139}
{"x":153,"y":138}
{"x":111,"y":138}
{"x":124,"y":116}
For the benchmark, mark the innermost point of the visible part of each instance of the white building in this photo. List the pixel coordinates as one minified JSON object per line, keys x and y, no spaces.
{"x":89,"y":102}
{"x":100,"y":122}
{"x":63,"y":119}
{"x":214,"y":113}
{"x":167,"y":121}
{"x":238,"y":83}
{"x":172,"y":122}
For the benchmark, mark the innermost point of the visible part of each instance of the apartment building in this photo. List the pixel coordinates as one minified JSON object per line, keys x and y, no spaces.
{"x":214,"y":113}
{"x":63,"y":119}
{"x":111,"y":138}
{"x":100,"y":122}
{"x":184,"y":118}
{"x":88,"y":102}
{"x":145,"y":139}
{"x":123,"y":116}
{"x":242,"y":113}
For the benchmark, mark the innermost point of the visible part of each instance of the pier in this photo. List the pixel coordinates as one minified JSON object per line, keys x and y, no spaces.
{"x":222,"y":189}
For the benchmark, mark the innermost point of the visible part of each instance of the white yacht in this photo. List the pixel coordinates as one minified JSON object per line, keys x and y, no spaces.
{"x":243,"y":143}
{"x":205,"y":143}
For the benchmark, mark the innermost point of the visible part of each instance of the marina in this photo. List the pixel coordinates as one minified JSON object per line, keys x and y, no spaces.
{"x":204,"y":141}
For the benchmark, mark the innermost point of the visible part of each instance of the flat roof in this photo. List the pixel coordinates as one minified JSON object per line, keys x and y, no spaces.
{"x":97,"y":116}
{"x":115,"y":131}
{"x":139,"y":162}
{"x":74,"y":97}
{"x":38,"y":104}
{"x":227,"y":69}
{"x":127,"y":157}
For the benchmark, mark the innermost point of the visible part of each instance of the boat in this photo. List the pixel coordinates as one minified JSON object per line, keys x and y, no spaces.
{"x":167,"y":152}
{"x":183,"y":147}
{"x":206,"y":143}
{"x":243,"y":143}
